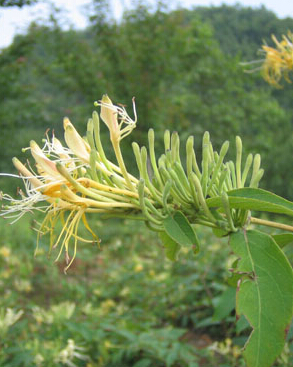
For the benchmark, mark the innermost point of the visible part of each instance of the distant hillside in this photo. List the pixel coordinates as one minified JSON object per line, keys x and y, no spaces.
{"x":241,"y":30}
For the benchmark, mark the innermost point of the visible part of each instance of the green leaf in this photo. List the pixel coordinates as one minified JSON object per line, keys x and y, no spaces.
{"x":145,"y":362}
{"x":219,"y":232}
{"x":172,"y":248}
{"x":179,"y":229}
{"x":224,"y":304}
{"x":264,"y":296}
{"x":283,"y":239}
{"x":254,"y":199}
{"x":242,"y":324}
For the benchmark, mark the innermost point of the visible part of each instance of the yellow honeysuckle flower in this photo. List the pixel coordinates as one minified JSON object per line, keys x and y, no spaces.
{"x":5,"y":252}
{"x":279,"y":60}
{"x":138,"y":268}
{"x":71,"y":181}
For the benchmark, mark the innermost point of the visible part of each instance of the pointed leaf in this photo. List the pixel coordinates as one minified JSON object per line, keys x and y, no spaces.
{"x":224,"y":304}
{"x":283,"y":239}
{"x":179,"y":229}
{"x":254,"y":199}
{"x":171,"y":247}
{"x":264,"y":296}
{"x":219,"y":232}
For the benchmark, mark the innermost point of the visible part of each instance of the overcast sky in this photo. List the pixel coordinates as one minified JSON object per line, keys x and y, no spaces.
{"x":14,"y":20}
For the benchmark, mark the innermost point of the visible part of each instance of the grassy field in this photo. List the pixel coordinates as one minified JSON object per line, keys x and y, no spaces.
{"x":123,"y":304}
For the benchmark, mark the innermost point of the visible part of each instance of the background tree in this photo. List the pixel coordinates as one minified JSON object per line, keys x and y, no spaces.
{"x":19,"y":3}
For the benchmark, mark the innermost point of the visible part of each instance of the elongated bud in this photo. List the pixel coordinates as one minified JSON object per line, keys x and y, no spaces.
{"x":167,"y":140}
{"x":219,"y":160}
{"x":181,"y":175}
{"x":205,"y":161}
{"x":96,"y":127}
{"x":256,"y":164}
{"x":238,"y":160}
{"x":255,"y":181}
{"x":226,"y":206}
{"x":246,"y":169}
{"x":175,"y":147}
{"x":26,"y":173}
{"x":142,"y":203}
{"x":255,"y":169}
{"x":97,"y":138}
{"x":189,"y":153}
{"x":165,"y":195}
{"x":222,"y":179}
{"x":140,"y":191}
{"x":136,"y":151}
{"x":228,"y":180}
{"x":151,"y":139}
{"x":233,"y":174}
{"x":164,"y":174}
{"x":93,"y":159}
{"x":146,"y":169}
{"x":201,"y":198}
{"x":162,"y":161}
{"x":90,"y":134}
{"x":75,"y":142}
{"x":224,"y":150}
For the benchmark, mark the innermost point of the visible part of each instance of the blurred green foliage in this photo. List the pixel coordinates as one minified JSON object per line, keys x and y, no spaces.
{"x":19,"y":3}
{"x":241,"y":30}
{"x":123,"y":304}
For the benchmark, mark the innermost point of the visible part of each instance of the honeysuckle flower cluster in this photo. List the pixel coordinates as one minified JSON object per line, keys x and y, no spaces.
{"x":68,"y":355}
{"x":56,"y":313}
{"x":279,"y":60}
{"x":8,"y":317}
{"x":69,"y":182}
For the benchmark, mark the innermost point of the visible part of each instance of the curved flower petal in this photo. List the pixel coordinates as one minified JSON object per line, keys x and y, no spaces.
{"x":75,"y":142}
{"x":47,"y":166}
{"x":109,"y":114}
{"x":26,"y":173}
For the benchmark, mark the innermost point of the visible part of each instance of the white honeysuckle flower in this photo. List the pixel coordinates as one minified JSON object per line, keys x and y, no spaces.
{"x":75,"y":142}
{"x":45,"y":166}
{"x":8,"y":317}
{"x":71,"y":352}
{"x":18,"y":207}
{"x":63,"y":310}
{"x":39,"y":359}
{"x":115,"y":116}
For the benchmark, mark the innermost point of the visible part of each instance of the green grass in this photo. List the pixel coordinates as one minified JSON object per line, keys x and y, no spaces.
{"x":123,"y":304}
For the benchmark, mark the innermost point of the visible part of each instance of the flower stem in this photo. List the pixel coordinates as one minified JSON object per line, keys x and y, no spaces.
{"x":121,"y":164}
{"x":269,"y":223}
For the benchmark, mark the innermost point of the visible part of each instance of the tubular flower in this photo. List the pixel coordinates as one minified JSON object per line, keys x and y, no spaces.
{"x":111,"y":115}
{"x":70,"y":182}
{"x":279,"y":60}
